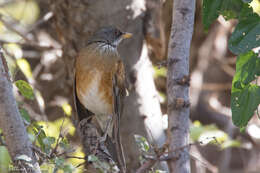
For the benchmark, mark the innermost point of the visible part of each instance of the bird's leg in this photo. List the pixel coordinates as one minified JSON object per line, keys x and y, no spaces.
{"x":106,"y":131}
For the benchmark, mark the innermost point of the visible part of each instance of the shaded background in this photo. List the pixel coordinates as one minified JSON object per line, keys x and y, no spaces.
{"x":41,"y":40}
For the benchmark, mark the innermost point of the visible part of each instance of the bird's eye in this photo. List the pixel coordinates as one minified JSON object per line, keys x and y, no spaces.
{"x":117,"y":32}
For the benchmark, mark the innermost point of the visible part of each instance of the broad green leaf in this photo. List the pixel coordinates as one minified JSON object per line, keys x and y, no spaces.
{"x":213,"y":8}
{"x":247,"y":68}
{"x":25,"y":116}
{"x":247,"y":33}
{"x":25,"y":89}
{"x":243,"y":104}
{"x":210,"y":13}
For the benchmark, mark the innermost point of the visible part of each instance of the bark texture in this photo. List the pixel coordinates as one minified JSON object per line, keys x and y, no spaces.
{"x":178,"y":84}
{"x":11,"y":123}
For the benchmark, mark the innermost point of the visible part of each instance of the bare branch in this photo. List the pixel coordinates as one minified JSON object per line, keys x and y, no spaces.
{"x":16,"y":138}
{"x":178,"y":83}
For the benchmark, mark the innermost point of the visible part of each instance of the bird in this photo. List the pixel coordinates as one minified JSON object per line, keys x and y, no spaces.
{"x":100,"y":82}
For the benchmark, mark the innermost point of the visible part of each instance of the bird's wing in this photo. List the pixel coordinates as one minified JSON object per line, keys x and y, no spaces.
{"x":81,"y":111}
{"x":119,"y":92}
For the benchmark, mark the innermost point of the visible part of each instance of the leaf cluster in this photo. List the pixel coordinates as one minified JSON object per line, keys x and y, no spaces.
{"x":245,"y":94}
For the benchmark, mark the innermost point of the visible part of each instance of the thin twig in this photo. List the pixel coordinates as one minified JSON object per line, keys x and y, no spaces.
{"x":165,"y":156}
{"x":6,"y":73}
{"x":59,"y":138}
{"x":146,"y":166}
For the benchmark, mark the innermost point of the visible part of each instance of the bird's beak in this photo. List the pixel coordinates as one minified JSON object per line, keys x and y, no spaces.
{"x":127,"y":35}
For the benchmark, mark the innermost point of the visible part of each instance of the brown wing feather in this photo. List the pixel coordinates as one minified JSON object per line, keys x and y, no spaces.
{"x":119,"y":92}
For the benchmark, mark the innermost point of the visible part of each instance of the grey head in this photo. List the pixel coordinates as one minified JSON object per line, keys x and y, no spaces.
{"x":110,"y":36}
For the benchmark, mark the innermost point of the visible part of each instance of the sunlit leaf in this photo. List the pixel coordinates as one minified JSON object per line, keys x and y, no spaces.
{"x":213,"y":137}
{"x":53,"y":128}
{"x":25,"y":67}
{"x":160,"y":72}
{"x":230,"y":143}
{"x":197,"y":130}
{"x":67,"y":108}
{"x":25,"y":11}
{"x":25,"y":89}
{"x":14,"y":50}
{"x":255,"y":4}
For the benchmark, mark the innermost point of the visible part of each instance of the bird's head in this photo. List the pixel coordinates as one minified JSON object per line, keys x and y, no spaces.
{"x":109,"y":36}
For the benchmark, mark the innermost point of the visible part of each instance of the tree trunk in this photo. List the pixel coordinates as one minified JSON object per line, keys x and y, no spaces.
{"x":16,"y":138}
{"x":178,"y":84}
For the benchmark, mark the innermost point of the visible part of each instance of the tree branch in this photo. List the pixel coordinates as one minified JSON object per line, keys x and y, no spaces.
{"x":178,"y":83}
{"x":16,"y":138}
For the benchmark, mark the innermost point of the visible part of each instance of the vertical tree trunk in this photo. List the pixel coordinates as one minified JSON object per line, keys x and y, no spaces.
{"x":178,"y":84}
{"x":11,"y":123}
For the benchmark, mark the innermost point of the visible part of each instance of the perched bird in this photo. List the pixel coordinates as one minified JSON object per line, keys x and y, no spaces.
{"x":100,"y":78}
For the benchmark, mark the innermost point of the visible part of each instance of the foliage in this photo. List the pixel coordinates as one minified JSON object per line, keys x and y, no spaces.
{"x":245,"y":96}
{"x":25,"y":89}
{"x":52,"y":145}
{"x":210,"y":134}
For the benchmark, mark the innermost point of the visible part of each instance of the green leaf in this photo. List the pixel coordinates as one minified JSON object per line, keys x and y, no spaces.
{"x":247,"y":33}
{"x":213,"y":8}
{"x":49,"y":141}
{"x":247,"y":69}
{"x":92,"y":158}
{"x":64,"y":144}
{"x":210,"y":12}
{"x":23,"y":157}
{"x":59,"y":162}
{"x":25,"y":89}
{"x":39,"y":134}
{"x":142,"y":143}
{"x":68,"y":168}
{"x":25,"y":116}
{"x":243,"y":104}
{"x":230,"y":143}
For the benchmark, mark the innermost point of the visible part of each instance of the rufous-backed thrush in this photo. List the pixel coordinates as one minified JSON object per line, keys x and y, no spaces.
{"x":100,"y":77}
